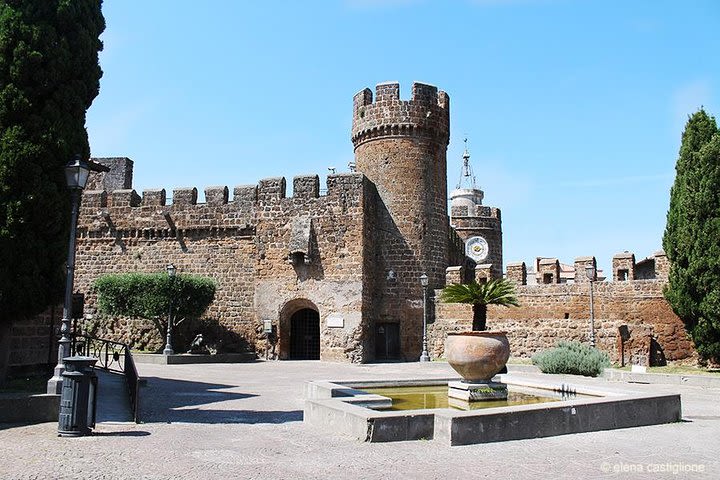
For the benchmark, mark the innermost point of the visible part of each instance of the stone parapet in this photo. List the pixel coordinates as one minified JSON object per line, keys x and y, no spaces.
{"x":548,"y":270}
{"x":581,"y":264}
{"x":554,"y":312}
{"x":426,"y":114}
{"x":623,"y":266}
{"x":517,"y":273}
{"x":454,"y":275}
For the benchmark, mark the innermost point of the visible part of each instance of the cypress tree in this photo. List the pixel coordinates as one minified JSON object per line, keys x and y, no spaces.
{"x":49,"y":76}
{"x":692,"y":235}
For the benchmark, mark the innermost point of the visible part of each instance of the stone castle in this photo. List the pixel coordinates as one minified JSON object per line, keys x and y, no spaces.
{"x":337,"y":276}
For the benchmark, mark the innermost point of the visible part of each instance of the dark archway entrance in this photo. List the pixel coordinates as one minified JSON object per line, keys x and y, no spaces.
{"x":387,"y":341}
{"x":305,"y":335}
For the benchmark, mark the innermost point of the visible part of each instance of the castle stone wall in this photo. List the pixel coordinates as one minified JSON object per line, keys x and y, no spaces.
{"x":332,"y":280}
{"x":118,"y":178}
{"x":116,"y":234}
{"x":34,"y":339}
{"x":554,"y":312}
{"x":247,"y":246}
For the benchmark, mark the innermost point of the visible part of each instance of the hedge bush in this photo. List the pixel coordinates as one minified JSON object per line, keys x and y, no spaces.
{"x":148,"y":296}
{"x":573,"y":358}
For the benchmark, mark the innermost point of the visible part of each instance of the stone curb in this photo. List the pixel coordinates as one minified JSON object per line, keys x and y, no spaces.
{"x":612,"y":374}
{"x":192,"y":359}
{"x":29,"y":409}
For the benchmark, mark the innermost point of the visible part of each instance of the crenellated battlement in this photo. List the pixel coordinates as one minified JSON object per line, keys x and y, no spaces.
{"x":426,"y":114}
{"x":462,"y":211}
{"x":549,"y":271}
{"x":267,"y":190}
{"x":125,"y":209}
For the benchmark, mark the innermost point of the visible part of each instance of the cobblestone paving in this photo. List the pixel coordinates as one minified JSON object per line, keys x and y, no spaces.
{"x":245,"y":421}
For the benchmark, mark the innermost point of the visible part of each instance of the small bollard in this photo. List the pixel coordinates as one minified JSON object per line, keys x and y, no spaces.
{"x":78,"y":397}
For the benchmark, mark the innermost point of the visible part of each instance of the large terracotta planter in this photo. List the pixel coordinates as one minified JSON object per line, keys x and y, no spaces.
{"x":477,"y":356}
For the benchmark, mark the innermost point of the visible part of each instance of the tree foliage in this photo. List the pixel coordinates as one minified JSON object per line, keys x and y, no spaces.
{"x":498,"y":291}
{"x":148,"y":295}
{"x":49,"y":76}
{"x":692,"y":235}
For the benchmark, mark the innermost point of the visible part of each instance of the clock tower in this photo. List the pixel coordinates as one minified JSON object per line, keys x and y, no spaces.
{"x":479,"y":226}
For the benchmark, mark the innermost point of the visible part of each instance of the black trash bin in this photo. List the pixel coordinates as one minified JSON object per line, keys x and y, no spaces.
{"x":78,"y":397}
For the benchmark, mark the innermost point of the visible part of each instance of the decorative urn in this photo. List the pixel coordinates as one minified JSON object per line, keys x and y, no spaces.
{"x":478,"y":355}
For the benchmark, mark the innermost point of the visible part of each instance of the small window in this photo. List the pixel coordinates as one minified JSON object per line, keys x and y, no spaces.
{"x":567,"y":315}
{"x":547,"y":278}
{"x":622,"y":275}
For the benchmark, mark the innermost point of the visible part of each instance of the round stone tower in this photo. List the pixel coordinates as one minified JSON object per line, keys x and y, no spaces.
{"x":400,"y":146}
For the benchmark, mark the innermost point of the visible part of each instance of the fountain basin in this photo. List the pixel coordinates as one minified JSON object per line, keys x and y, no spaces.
{"x":343,"y":407}
{"x":437,"y":397}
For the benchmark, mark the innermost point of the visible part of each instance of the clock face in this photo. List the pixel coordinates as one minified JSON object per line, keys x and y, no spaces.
{"x":476,"y":248}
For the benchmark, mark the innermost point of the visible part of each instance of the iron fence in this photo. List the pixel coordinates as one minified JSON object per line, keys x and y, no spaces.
{"x":112,"y":357}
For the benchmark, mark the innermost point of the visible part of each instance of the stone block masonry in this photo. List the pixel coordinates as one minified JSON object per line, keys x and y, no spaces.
{"x":350,"y":260}
{"x":400,"y":146}
{"x":552,"y":312}
{"x":337,"y":276}
{"x":33,"y":345}
{"x":247,"y":245}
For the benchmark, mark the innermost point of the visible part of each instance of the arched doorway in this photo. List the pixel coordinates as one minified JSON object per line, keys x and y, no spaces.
{"x":305,"y":335}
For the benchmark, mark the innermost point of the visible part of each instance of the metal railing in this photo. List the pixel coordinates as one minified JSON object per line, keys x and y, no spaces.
{"x":112,"y":357}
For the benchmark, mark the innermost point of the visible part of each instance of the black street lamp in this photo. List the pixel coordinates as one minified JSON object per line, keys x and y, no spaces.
{"x":591,"y":273}
{"x":76,"y":176}
{"x":171,"y":270}
{"x":424,"y":357}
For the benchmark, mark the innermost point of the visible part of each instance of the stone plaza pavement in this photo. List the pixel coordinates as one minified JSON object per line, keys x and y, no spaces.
{"x":245,"y":421}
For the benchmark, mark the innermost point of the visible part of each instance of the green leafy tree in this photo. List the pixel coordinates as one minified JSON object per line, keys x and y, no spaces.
{"x":49,"y":76}
{"x":149,"y":296}
{"x":495,"y":292}
{"x":692,"y":235}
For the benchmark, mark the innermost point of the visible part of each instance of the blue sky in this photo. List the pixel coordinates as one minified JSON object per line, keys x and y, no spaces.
{"x":573,"y":109}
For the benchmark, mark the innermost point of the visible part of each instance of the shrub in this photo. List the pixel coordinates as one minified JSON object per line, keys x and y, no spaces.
{"x":149,"y":295}
{"x":573,"y":358}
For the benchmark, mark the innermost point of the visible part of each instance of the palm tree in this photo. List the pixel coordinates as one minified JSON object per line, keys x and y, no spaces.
{"x":495,"y":292}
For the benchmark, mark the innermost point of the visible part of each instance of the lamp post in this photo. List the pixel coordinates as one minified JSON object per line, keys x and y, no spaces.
{"x":590,"y":272}
{"x":424,"y":357}
{"x":76,"y":176}
{"x":171,"y":270}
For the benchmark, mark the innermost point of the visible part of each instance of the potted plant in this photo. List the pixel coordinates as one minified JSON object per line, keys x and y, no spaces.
{"x":478,"y":355}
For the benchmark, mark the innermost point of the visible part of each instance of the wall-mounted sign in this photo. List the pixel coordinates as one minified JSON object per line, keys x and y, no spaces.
{"x":335,"y":320}
{"x":267,"y":326}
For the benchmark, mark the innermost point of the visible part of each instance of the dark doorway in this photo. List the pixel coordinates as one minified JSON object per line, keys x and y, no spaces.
{"x":305,"y":335}
{"x":387,"y":341}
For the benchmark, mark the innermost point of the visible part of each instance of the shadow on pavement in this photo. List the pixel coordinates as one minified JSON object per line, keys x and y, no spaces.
{"x":171,"y":401}
{"x":132,"y":433}
{"x":195,"y":415}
